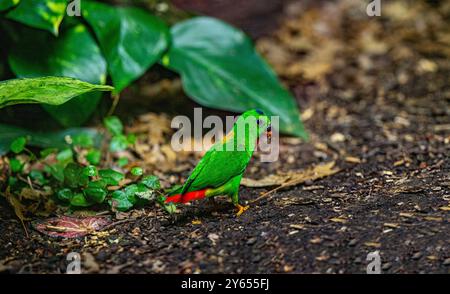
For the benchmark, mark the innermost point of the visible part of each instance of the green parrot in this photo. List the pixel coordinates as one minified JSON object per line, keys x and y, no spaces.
{"x":220,"y":170}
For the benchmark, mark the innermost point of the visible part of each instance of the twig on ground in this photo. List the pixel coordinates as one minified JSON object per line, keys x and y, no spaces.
{"x":118,"y":223}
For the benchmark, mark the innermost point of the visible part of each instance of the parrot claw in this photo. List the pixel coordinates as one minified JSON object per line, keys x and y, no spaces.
{"x":241,"y":209}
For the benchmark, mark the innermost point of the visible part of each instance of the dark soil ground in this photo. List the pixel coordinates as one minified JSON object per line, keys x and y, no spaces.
{"x":378,"y":105}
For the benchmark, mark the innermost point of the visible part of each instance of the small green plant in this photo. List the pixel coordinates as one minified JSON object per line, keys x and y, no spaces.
{"x":73,"y":178}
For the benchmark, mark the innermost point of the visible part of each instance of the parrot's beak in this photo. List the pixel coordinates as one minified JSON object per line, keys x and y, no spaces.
{"x":269,"y":134}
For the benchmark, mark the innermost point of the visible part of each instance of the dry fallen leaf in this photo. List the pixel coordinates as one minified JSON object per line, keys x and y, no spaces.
{"x":19,"y":208}
{"x":399,"y":162}
{"x":322,"y":258}
{"x":391,"y":225}
{"x":4,"y":173}
{"x":293,"y":178}
{"x":426,"y":65}
{"x":70,"y":227}
{"x":338,"y":220}
{"x":154,"y":144}
{"x":196,"y":222}
{"x":34,"y":194}
{"x":373,"y":244}
{"x":312,"y":34}
{"x":433,"y":218}
{"x":352,"y":159}
{"x":270,"y":180}
{"x":406,"y":214}
{"x":337,"y":137}
{"x":295,"y":226}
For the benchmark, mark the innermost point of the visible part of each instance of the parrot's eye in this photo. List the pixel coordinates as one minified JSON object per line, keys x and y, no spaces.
{"x":257,"y":122}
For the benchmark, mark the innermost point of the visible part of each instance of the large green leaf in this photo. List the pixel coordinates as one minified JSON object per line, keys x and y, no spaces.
{"x":221,"y":69}
{"x":131,"y":39}
{"x":40,"y":14}
{"x":49,"y":90}
{"x":9,"y":133}
{"x":5,"y":4}
{"x":74,"y":54}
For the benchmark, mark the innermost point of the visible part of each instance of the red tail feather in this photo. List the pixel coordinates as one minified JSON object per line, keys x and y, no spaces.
{"x":189,"y":196}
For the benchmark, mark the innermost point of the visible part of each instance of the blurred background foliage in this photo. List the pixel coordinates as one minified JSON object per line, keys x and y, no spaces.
{"x":117,"y":42}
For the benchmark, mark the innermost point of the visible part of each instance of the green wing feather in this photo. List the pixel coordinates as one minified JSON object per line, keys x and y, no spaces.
{"x":196,"y":172}
{"x":215,"y":169}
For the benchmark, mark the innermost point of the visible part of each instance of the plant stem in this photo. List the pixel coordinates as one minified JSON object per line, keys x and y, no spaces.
{"x":116,"y":98}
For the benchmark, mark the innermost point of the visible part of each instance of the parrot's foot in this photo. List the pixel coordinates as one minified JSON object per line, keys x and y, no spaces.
{"x":241,"y":209}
